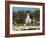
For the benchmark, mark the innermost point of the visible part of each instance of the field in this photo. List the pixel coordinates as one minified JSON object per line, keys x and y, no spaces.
{"x":19,"y":27}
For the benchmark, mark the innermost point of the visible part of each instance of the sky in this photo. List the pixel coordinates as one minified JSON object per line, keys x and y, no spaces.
{"x":24,"y":8}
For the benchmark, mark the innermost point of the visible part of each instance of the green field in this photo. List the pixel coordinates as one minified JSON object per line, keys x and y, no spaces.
{"x":21,"y":26}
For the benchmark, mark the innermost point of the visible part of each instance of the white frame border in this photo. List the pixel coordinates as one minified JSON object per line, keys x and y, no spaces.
{"x":29,"y":31}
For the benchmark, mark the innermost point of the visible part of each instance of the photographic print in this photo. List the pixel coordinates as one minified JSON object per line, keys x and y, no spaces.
{"x":24,"y":19}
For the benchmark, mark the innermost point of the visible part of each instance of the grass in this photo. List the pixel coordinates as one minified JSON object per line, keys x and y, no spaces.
{"x":22,"y":24}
